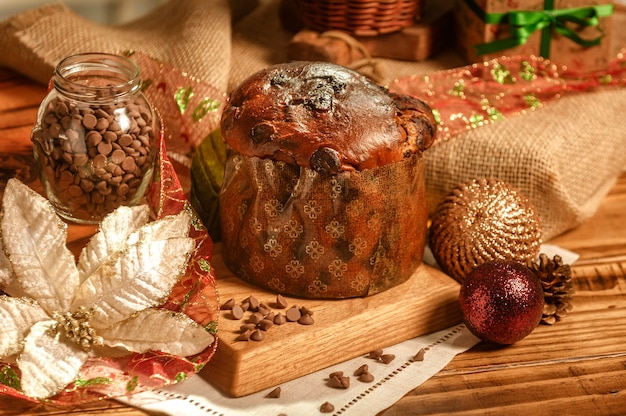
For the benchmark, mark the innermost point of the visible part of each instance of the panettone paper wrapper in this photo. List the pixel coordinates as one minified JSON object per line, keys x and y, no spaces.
{"x":294,"y":231}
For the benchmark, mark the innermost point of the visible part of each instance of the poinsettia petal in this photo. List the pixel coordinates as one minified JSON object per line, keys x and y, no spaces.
{"x":8,"y":280}
{"x":159,"y":330}
{"x":111,"y":237}
{"x":34,"y":239}
{"x":115,"y":236}
{"x":6,"y":271}
{"x":171,"y":226}
{"x":142,"y":277}
{"x":17,"y":315}
{"x":47,"y":363}
{"x":7,"y":276}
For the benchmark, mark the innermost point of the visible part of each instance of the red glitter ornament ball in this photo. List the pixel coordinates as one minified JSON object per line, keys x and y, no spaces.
{"x":501,"y":301}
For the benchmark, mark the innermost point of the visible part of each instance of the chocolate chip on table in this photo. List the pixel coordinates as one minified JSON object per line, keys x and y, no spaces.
{"x":339,"y":381}
{"x":335,"y":374}
{"x":306,"y":319}
{"x":247,"y":327}
{"x":306,"y":311}
{"x":274,"y":394}
{"x":265,"y":324}
{"x":263,"y":309}
{"x":362,"y":369}
{"x":420,"y":355}
{"x":261,"y":318}
{"x":376,"y":354}
{"x":366,"y":377}
{"x":293,"y":314}
{"x":327,"y":407}
{"x":279,"y":319}
{"x":244,"y":336}
{"x":228,"y":304}
{"x":255,"y":318}
{"x":236,"y":312}
{"x":281,"y":302}
{"x":253,"y":302}
{"x":387,"y":358}
{"x":257,"y":335}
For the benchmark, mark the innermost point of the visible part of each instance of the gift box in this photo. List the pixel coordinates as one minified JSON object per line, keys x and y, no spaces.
{"x":569,"y":32}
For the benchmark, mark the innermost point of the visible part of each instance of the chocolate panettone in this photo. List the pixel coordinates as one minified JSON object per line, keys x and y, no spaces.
{"x":323,"y":192}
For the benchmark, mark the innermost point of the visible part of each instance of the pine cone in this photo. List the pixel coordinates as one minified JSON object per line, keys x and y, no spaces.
{"x":556,"y":279}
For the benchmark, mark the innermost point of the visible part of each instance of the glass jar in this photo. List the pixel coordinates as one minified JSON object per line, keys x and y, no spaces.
{"x":94,"y":141}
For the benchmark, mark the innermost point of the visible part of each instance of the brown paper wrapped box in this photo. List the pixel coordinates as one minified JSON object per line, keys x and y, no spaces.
{"x":472,"y":17}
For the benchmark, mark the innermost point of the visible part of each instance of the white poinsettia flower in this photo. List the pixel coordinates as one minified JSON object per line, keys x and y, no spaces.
{"x":58,"y":310}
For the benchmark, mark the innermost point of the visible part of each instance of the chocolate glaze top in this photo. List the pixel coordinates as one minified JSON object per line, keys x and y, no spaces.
{"x":325,"y":117}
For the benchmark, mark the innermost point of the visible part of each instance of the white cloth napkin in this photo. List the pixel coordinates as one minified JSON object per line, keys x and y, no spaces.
{"x":305,"y":395}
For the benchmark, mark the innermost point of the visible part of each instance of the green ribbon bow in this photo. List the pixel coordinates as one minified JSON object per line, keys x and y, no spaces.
{"x":522,"y":24}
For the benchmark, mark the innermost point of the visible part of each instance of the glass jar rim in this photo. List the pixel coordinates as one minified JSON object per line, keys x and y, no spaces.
{"x":71,"y":73}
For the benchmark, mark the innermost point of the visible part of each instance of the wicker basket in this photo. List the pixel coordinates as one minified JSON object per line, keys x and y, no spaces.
{"x":360,"y":17}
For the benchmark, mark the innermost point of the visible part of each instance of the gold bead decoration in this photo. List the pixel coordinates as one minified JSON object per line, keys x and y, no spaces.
{"x":482,"y":220}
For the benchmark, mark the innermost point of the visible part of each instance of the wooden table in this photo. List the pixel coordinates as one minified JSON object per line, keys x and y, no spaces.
{"x":577,"y":366}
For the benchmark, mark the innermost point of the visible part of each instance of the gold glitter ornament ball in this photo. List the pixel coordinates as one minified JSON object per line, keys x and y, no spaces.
{"x":482,"y":220}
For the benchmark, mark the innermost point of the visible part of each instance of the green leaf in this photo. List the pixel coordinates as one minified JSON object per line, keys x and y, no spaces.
{"x":502,"y":75}
{"x":132,"y":384}
{"x":206,"y":106}
{"x":81,"y":382}
{"x":9,"y":377}
{"x":182,"y":97}
{"x":207,"y":175}
{"x":211,"y":327}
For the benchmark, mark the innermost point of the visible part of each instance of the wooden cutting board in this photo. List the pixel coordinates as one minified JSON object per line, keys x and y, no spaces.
{"x":343,"y":329}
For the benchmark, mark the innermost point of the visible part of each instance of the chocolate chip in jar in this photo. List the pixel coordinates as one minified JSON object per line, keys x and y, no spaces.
{"x":94,"y":141}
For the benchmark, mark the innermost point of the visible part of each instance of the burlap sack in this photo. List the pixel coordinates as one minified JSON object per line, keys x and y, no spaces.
{"x":564,"y":158}
{"x":191,"y":35}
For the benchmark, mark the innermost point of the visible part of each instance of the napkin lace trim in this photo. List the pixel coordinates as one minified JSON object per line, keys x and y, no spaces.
{"x":454,"y":331}
{"x":198,"y":404}
{"x":210,"y":411}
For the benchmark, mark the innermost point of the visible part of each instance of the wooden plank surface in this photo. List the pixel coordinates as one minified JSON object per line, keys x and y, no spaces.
{"x":577,"y":366}
{"x":343,"y":329}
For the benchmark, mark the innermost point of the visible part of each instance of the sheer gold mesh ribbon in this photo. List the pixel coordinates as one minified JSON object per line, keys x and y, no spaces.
{"x":495,"y":122}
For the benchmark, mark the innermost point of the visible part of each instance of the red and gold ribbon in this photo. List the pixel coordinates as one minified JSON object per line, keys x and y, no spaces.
{"x":484,"y":93}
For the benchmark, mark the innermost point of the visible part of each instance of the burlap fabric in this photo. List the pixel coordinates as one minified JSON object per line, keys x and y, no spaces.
{"x":563,"y":157}
{"x":191,"y":35}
